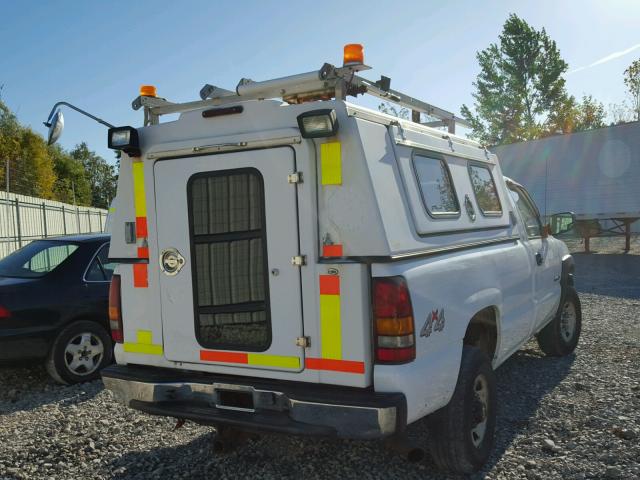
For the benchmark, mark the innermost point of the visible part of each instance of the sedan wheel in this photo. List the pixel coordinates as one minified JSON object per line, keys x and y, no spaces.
{"x":84,"y":353}
{"x":79,"y":352}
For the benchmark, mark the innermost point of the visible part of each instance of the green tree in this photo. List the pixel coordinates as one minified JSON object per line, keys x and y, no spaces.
{"x":32,"y":171}
{"x":100,"y":175}
{"x":71,"y":185}
{"x":573,"y":116}
{"x":519,"y":86}
{"x":10,"y":131}
{"x":632,"y":81}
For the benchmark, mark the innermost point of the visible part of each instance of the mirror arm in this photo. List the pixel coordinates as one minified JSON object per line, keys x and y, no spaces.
{"x":99,"y":120}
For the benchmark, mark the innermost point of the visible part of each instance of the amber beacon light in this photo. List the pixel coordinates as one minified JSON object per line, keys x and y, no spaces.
{"x":148,"y":91}
{"x":353,"y":54}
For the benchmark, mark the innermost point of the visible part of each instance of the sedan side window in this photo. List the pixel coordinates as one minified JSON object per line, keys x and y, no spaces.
{"x":101,"y":270}
{"x":527,"y":211}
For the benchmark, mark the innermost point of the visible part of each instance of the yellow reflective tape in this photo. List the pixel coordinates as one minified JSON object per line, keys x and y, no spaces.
{"x":144,"y":345}
{"x":145,"y":337}
{"x":139,"y":200}
{"x":331,"y":163}
{"x":279,"y":361}
{"x":143,"y":348}
{"x":330,"y":327}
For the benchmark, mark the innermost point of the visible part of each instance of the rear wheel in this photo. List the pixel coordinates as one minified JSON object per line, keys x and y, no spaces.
{"x":560,"y":337}
{"x":461,"y":434}
{"x":79,"y":352}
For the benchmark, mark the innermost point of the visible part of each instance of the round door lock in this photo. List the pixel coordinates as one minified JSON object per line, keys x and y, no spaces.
{"x":171,"y":262}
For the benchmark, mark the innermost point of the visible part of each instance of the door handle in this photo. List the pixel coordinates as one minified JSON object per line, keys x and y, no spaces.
{"x":539,"y":258}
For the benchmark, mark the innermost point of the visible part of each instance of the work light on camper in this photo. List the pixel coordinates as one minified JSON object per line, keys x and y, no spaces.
{"x":318,"y":123}
{"x":125,"y":139}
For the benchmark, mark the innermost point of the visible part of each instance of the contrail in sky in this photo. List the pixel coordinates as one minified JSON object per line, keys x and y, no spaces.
{"x":608,"y":58}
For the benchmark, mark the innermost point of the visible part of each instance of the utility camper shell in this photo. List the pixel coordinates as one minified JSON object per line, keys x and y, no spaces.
{"x":316,"y":281}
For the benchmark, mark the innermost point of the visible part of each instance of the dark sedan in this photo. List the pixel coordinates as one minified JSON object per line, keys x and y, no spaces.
{"x":54,"y":305}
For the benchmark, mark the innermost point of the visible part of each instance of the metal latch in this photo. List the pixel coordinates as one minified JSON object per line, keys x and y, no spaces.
{"x":304,"y":342}
{"x":295,"y":177}
{"x":299,"y":260}
{"x":130,"y":232}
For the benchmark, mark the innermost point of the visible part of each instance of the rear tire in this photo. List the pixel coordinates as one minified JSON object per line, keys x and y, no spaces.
{"x":461,"y":434}
{"x":79,"y":352}
{"x":560,"y":337}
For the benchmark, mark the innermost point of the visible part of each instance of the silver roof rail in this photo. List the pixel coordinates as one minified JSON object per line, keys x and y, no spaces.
{"x":323,"y":84}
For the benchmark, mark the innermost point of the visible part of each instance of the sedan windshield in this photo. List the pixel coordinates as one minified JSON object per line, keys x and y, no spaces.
{"x":36,"y":259}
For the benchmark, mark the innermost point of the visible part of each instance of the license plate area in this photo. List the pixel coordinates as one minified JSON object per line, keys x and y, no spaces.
{"x":234,"y":399}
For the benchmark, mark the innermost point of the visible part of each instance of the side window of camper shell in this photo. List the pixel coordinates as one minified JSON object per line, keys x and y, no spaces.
{"x":485,"y":191}
{"x":436,"y":186}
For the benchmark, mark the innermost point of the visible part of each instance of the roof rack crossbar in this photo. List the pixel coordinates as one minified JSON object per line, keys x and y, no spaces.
{"x":323,"y":84}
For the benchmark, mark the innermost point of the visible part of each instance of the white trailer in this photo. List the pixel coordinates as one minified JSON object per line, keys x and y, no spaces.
{"x":594,"y":174}
{"x":307,"y":266}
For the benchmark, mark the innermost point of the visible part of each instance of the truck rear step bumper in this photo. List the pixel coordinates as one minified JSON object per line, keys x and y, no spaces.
{"x":255,"y":404}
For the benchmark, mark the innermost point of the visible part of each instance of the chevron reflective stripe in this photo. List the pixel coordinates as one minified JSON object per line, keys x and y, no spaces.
{"x":255,"y":359}
{"x":139,"y":199}
{"x":140,"y":270}
{"x":334,"y":250}
{"x":331,"y":331}
{"x":330,"y":321}
{"x":331,"y":163}
{"x":143,"y":344}
{"x":140,"y":275}
{"x":327,"y":364}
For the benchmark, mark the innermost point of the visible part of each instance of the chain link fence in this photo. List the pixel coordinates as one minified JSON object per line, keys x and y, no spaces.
{"x":24,"y":219}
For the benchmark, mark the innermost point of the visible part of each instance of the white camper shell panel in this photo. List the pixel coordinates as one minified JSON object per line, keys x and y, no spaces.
{"x":362,"y":214}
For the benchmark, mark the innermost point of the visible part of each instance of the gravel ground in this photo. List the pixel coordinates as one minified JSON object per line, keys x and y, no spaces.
{"x":570,"y":418}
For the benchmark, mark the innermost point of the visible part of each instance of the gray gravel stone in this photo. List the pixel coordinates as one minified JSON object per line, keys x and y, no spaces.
{"x":585,"y":404}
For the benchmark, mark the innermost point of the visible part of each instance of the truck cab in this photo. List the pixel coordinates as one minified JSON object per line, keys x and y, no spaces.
{"x":292,"y":262}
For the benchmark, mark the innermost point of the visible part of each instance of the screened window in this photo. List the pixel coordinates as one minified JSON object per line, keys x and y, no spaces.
{"x":527,"y":211}
{"x":229,"y":237}
{"x":485,"y":190}
{"x":100,"y":269}
{"x":436,"y":186}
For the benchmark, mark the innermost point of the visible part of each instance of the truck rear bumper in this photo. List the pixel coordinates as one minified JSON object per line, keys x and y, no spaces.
{"x":254,"y":404}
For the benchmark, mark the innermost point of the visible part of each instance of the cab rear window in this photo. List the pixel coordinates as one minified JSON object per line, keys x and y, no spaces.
{"x":485,"y":190}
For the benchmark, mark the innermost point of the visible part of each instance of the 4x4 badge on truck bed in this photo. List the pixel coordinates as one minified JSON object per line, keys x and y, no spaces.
{"x":435,"y":321}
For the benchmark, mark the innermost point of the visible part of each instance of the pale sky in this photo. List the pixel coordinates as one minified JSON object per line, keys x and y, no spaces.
{"x":97,"y":54}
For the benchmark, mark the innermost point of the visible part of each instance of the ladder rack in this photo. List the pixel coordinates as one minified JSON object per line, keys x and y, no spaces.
{"x":324,"y":84}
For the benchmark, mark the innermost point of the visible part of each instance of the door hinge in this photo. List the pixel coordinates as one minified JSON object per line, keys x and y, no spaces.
{"x":299,"y":260}
{"x":304,"y":342}
{"x":295,"y":177}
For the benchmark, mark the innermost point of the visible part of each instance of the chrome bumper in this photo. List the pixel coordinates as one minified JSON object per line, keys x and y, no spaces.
{"x":272,"y":410}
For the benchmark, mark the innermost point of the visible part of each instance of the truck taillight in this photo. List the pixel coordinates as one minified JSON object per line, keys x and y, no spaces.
{"x":4,"y":312}
{"x":393,"y":321}
{"x":115,"y":310}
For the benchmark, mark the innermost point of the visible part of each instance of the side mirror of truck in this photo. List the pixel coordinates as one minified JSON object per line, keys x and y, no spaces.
{"x":56,"y":125}
{"x":561,"y":223}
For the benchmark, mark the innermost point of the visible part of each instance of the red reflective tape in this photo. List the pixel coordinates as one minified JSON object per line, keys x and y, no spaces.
{"x":329,"y":285}
{"x":141,"y":227}
{"x":226,"y":357}
{"x":143,"y":252}
{"x":346,"y":366}
{"x":332,"y":250}
{"x":140,"y":275}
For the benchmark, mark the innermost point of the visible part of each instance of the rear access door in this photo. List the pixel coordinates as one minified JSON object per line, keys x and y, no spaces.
{"x":227,"y":228}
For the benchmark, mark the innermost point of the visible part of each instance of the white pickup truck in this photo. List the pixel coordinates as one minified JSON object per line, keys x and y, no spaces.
{"x":291,"y":262}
